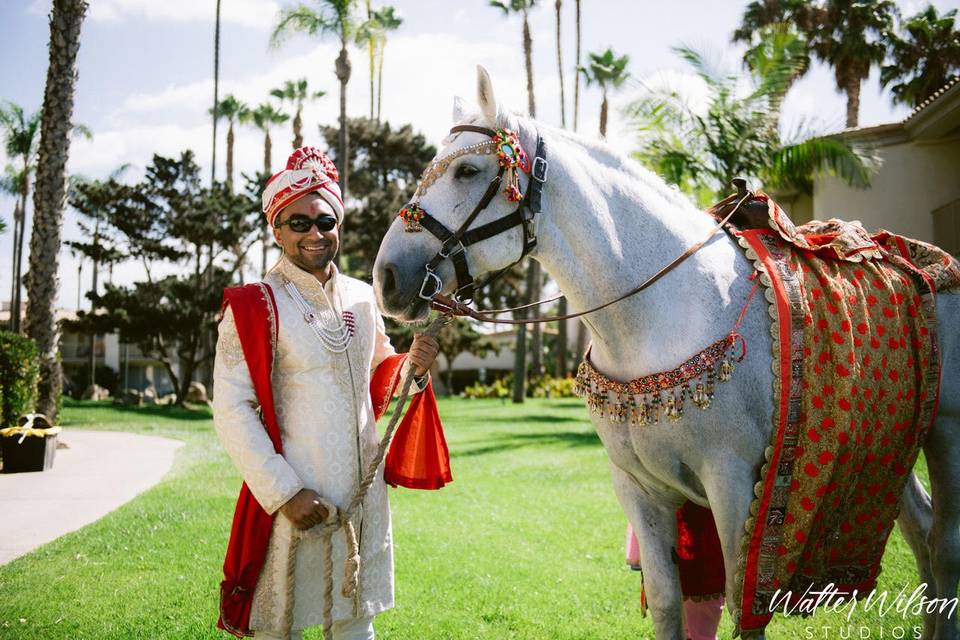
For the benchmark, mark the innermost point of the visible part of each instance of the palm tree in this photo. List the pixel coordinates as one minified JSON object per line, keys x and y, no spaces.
{"x":231,"y":109}
{"x":558,"y":5}
{"x":701,"y":151}
{"x":50,"y":196}
{"x":608,"y":71}
{"x":330,"y":16}
{"x":296,"y":93}
{"x":20,"y":133}
{"x":368,"y":34}
{"x":523,"y":7}
{"x":576,"y":97}
{"x":389,"y":20}
{"x":850,"y":36}
{"x":263,"y":117}
{"x":923,"y":57}
{"x":214,"y":111}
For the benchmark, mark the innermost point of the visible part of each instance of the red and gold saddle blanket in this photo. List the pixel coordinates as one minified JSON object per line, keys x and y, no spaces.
{"x":857,"y":376}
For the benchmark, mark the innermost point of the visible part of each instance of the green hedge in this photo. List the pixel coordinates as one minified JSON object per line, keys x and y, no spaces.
{"x":537,"y":387}
{"x":19,"y":372}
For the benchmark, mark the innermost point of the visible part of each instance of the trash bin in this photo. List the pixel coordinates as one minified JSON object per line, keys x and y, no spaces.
{"x":30,"y":446}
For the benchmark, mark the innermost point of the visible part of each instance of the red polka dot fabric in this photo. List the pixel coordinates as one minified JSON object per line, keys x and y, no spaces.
{"x":855,"y":395}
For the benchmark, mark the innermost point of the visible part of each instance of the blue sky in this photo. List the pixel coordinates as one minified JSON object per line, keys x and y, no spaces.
{"x":146,"y":76}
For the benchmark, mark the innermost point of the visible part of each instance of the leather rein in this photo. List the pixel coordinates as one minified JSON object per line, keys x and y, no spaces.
{"x":454,"y":246}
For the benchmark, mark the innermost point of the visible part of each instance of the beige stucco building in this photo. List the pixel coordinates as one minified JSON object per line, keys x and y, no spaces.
{"x":916,"y":192}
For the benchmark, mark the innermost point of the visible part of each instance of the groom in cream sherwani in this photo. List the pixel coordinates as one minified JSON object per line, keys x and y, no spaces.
{"x":329,"y":339}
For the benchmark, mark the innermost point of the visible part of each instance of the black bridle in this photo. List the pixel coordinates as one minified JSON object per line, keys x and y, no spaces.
{"x":454,"y":243}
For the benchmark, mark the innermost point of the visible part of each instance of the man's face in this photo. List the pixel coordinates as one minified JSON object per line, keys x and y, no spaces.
{"x":312,"y":250}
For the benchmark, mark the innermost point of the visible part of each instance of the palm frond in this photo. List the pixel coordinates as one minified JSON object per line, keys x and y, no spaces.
{"x":794,"y":165}
{"x":300,"y":19}
{"x":702,"y":68}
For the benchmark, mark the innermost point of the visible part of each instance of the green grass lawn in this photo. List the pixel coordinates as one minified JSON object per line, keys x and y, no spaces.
{"x":526,"y":543}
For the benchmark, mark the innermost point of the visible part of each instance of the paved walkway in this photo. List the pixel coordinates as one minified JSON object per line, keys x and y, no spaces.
{"x":99,"y":472}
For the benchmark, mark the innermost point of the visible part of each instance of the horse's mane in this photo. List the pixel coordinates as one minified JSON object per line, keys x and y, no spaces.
{"x":607,"y":156}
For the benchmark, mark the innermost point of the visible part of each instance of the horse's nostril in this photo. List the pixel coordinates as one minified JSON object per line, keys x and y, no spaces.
{"x":389,"y":284}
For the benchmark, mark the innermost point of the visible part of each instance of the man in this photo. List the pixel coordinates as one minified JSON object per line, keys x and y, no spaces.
{"x":292,"y":406}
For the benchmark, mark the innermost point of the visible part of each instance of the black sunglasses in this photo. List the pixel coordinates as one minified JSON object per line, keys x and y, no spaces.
{"x":301,"y":223}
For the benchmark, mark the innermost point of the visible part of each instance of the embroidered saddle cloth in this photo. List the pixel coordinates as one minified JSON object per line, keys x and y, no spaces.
{"x":855,"y":391}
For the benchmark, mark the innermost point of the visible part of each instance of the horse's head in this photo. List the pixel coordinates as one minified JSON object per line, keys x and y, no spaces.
{"x":413,"y":263}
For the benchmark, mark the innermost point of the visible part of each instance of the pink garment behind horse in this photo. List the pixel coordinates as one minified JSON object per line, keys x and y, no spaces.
{"x":701,"y":617}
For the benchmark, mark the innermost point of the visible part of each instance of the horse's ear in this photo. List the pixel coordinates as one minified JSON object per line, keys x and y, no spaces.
{"x":459,"y":109}
{"x":485,"y":97}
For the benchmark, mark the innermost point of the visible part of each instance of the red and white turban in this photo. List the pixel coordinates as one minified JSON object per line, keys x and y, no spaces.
{"x":309,"y":170}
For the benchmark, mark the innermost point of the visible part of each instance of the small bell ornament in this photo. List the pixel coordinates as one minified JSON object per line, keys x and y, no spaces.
{"x":726,"y":370}
{"x":619,"y":413}
{"x":700,"y":397}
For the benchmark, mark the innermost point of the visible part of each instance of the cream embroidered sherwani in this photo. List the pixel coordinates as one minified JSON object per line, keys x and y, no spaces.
{"x":325,"y":414}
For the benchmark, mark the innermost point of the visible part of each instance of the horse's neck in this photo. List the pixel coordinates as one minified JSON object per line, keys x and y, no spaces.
{"x":605,"y":229}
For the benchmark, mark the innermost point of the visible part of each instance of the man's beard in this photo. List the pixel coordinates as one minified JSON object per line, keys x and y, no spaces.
{"x":313,"y":262}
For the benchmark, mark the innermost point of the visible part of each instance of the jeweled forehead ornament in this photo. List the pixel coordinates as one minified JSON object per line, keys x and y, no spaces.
{"x":511,"y":157}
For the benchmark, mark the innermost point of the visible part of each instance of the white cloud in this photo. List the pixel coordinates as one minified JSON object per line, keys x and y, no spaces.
{"x":250,"y":13}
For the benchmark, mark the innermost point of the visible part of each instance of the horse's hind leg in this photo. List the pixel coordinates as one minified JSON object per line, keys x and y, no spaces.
{"x":915,"y":520}
{"x":942,"y":450}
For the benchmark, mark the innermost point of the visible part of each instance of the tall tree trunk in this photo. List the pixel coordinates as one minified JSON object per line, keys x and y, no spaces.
{"x":93,"y":307}
{"x":371,"y":54}
{"x":50,"y":197}
{"x":230,"y":140}
{"x":528,"y":61}
{"x":853,"y":101}
{"x":581,"y":339}
{"x":14,"y":317}
{"x":18,"y":265}
{"x":536,"y":331}
{"x":520,"y":363}
{"x":603,"y":115}
{"x":17,"y":300}
{"x":383,"y":45}
{"x":562,"y":352}
{"x":576,"y":75}
{"x":265,"y":238}
{"x":298,"y":128}
{"x":216,"y":96}
{"x":563,"y":99}
{"x":343,"y":75}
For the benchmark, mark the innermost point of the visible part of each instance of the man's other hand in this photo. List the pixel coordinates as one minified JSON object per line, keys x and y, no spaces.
{"x":305,"y":509}
{"x":423,"y":352}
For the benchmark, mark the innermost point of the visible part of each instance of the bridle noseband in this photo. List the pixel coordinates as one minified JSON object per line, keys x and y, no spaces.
{"x":454,"y":243}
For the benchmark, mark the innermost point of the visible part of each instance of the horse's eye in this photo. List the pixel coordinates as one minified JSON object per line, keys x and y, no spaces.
{"x":466,"y":171}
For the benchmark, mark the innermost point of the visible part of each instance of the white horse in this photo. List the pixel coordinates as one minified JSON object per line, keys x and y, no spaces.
{"x":606,"y":225}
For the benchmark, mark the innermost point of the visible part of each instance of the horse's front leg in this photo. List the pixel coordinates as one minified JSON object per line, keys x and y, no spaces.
{"x":654,"y":520}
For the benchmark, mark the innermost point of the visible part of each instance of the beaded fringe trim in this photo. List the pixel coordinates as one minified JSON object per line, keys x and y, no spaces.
{"x":643,"y":401}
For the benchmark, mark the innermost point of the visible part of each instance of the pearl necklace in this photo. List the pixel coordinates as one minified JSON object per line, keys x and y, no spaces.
{"x":334,"y":336}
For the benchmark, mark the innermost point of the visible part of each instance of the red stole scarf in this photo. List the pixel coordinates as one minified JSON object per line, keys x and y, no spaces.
{"x":418,"y":457}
